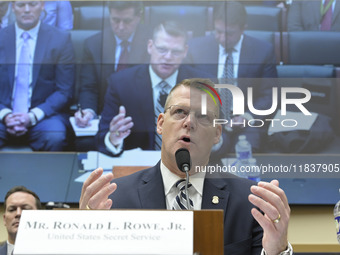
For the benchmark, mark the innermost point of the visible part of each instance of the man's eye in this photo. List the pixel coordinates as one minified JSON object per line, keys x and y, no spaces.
{"x":127,"y":21}
{"x":180,"y":111}
{"x":32,"y":4}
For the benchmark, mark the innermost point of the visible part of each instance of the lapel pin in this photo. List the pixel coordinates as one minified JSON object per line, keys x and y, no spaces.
{"x":215,"y":200}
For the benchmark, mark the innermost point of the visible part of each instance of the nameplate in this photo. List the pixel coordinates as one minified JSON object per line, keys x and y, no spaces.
{"x":105,"y":232}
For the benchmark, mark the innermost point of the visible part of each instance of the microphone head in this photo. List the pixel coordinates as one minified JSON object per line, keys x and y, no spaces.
{"x":183,"y":160}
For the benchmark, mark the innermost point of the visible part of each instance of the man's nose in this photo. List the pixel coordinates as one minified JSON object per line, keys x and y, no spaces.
{"x":27,"y":8}
{"x":168,"y":54}
{"x":189,"y":123}
{"x":18,"y":212}
{"x":121,"y":25}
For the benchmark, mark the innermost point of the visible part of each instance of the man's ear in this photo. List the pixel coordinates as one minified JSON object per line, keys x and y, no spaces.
{"x":150,"y":43}
{"x":160,"y":122}
{"x":3,"y":218}
{"x":218,"y":134}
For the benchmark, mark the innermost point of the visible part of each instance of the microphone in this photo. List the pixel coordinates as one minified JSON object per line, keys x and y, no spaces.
{"x":50,"y":205}
{"x":183,"y":161}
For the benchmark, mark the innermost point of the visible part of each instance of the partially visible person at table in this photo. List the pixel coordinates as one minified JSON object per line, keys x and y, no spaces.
{"x":17,"y":199}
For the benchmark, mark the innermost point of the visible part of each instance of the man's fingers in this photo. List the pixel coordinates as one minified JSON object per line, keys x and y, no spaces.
{"x":269,"y":210}
{"x":96,"y":186}
{"x":12,"y":123}
{"x":100,"y":199}
{"x":271,"y":200}
{"x":121,"y":125}
{"x":122,"y":110}
{"x":93,"y":176}
{"x":273,"y":186}
{"x":264,"y":222}
{"x":83,"y":120}
{"x":11,"y":131}
{"x":21,"y":133}
{"x":120,"y":120}
{"x":92,"y":184}
{"x":126,"y":127}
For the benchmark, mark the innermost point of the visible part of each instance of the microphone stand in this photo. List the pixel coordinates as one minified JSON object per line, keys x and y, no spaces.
{"x":186,"y":170}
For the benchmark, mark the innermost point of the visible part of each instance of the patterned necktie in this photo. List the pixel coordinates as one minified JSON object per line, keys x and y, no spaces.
{"x":124,"y":54}
{"x":226,"y":97}
{"x":159,"y":107}
{"x":326,"y":22}
{"x":20,"y":102}
{"x":180,"y":202}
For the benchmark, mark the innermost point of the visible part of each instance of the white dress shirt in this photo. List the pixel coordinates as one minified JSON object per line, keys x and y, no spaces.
{"x":222,"y":56}
{"x":10,"y":248}
{"x":170,"y":190}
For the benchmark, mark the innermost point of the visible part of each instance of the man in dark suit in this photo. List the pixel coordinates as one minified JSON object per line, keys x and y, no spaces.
{"x":253,"y":65}
{"x":182,"y":125}
{"x":17,"y":199}
{"x":314,"y":16}
{"x":136,"y":92}
{"x":104,"y":55}
{"x":36,"y":77}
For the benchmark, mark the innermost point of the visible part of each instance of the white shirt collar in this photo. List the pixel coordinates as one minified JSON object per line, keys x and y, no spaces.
{"x":169,"y":180}
{"x":32,"y":32}
{"x":118,"y":40}
{"x":155,"y":79}
{"x":10,"y":248}
{"x":237,"y":47}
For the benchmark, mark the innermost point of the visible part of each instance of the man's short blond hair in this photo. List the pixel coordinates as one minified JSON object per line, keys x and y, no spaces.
{"x":197,"y":83}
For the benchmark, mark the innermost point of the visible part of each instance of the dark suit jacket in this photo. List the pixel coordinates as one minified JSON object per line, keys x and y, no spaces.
{"x":99,"y":63}
{"x":257,"y":60}
{"x":3,"y":248}
{"x":306,"y":16}
{"x":242,"y":234}
{"x":132,"y":88}
{"x":53,"y":70}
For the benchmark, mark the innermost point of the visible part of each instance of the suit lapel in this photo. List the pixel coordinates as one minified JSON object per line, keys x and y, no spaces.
{"x":248,"y":59}
{"x":3,"y":248}
{"x":138,"y":53}
{"x":215,"y":195}
{"x":181,"y":73}
{"x":144,"y":91}
{"x":313,"y":9}
{"x":336,"y":11}
{"x":245,"y":57}
{"x":108,"y":49}
{"x":151,"y":189}
{"x":10,"y":51}
{"x":39,"y":53}
{"x":212,"y":58}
